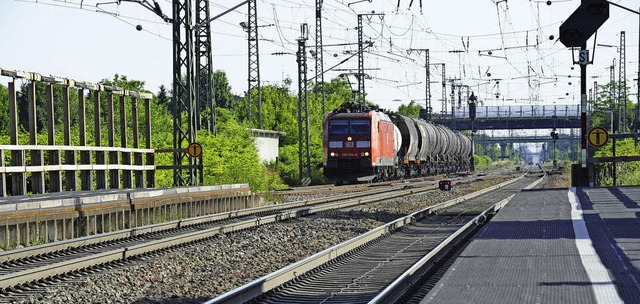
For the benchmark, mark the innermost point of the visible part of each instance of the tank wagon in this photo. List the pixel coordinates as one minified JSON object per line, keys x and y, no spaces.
{"x":363,"y":144}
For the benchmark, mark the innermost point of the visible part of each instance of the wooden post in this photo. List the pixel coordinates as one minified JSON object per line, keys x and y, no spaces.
{"x":101,"y":175}
{"x":55,"y":182}
{"x":114,"y":174}
{"x":37,"y":178}
{"x":151,"y":174}
{"x":85,"y":156}
{"x":126,"y":156}
{"x":18,"y":180}
{"x":137,"y":157}
{"x":70,"y":176}
{"x":3,"y":176}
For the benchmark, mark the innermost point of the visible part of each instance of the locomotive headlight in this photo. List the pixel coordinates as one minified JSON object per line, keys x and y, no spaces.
{"x":366,"y":154}
{"x":333,"y":154}
{"x":349,"y":138}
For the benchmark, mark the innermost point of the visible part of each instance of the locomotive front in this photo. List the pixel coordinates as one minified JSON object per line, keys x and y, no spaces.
{"x":359,"y":147}
{"x":347,"y":147}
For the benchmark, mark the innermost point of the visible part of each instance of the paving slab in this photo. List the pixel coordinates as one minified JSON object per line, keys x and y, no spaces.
{"x":552,"y":246}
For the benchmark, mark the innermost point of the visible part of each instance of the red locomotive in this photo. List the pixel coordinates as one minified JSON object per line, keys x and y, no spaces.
{"x":362,"y":144}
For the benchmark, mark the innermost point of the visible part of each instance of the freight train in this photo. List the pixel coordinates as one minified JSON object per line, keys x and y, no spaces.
{"x":362,"y":144}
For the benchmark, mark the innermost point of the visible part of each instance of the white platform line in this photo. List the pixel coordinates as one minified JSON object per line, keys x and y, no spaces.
{"x":603,"y":287}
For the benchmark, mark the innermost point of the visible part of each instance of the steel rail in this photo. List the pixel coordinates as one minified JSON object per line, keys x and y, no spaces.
{"x":26,"y":252}
{"x":262,"y":285}
{"x":295,"y":210}
{"x":408,"y":279}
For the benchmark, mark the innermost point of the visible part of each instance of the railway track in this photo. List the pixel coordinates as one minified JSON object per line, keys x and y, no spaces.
{"x":21,"y":269}
{"x":364,"y":269}
{"x":295,"y":192}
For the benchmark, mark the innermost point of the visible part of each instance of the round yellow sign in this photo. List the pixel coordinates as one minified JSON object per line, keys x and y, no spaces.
{"x":194,"y":150}
{"x":598,"y":136}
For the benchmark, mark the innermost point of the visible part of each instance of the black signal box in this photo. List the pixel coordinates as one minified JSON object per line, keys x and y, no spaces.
{"x":584,"y":22}
{"x":445,"y":185}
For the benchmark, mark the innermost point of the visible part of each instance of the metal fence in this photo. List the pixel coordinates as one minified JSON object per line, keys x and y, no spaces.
{"x":546,"y":111}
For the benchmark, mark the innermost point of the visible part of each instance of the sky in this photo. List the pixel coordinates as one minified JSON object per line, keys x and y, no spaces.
{"x":501,"y":49}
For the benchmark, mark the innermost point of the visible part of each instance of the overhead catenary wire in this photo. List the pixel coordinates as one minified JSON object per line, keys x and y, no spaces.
{"x":401,"y":30}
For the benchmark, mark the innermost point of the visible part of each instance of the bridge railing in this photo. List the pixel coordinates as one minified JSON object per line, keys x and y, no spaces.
{"x":544,"y":111}
{"x":124,"y":160}
{"x":56,"y":168}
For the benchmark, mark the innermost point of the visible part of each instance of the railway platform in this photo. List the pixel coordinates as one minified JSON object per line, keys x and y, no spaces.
{"x":552,"y":246}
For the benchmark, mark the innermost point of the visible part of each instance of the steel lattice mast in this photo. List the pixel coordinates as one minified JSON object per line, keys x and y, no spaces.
{"x":304,"y":155}
{"x":319,"y":79}
{"x":204,"y":66}
{"x":254,"y":62}
{"x":360,"y":96}
{"x":184,"y":132}
{"x":622,"y":86}
{"x":444,"y":90}
{"x":612,"y":92}
{"x":427,"y":87}
{"x":361,"y":74}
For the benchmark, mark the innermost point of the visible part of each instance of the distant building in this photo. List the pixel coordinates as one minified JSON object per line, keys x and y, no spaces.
{"x":267,"y":142}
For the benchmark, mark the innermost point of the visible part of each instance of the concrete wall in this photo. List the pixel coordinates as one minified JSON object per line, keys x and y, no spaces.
{"x":26,"y":221}
{"x":268,"y":144}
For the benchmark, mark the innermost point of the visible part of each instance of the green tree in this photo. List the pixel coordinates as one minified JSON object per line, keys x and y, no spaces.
{"x":222,"y":90}
{"x":164,"y":98}
{"x":4,"y":110}
{"x":410,"y":110}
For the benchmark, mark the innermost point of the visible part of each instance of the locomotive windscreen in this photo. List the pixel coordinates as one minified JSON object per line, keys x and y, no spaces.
{"x":354,"y":126}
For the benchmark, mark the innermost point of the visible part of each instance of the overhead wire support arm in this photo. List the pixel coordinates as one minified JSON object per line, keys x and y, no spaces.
{"x":622,"y":7}
{"x":344,"y":60}
{"x":222,"y":14}
{"x":154,"y":8}
{"x":356,"y":2}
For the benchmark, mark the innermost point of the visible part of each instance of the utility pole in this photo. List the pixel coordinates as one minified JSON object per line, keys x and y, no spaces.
{"x":455,"y":86}
{"x":459,"y":61}
{"x":622,"y":86}
{"x":612,"y":90}
{"x":253,"y":79}
{"x":444,"y":90}
{"x":184,"y":132}
{"x":360,"y":96}
{"x":427,"y":88}
{"x":319,"y":79}
{"x":361,"y":75}
{"x":304,"y":162}
{"x":453,"y":97}
{"x":192,"y":79}
{"x":204,"y":63}
{"x":638,"y":84}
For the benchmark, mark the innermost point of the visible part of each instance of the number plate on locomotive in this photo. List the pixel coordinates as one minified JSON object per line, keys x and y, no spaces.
{"x":348,"y":144}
